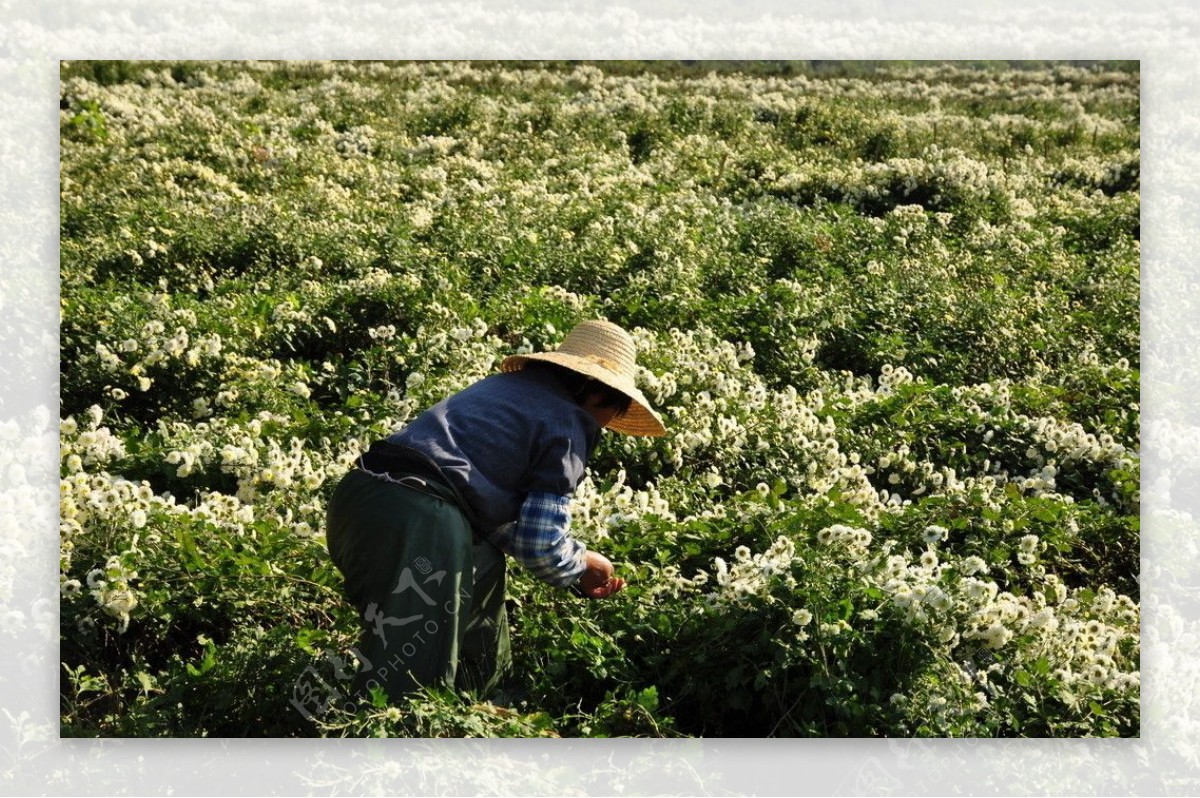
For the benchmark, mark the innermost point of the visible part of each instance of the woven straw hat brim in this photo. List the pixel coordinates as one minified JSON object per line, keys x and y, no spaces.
{"x":640,"y":420}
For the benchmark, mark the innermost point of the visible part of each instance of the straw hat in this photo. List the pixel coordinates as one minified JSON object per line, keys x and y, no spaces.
{"x":603,"y":351}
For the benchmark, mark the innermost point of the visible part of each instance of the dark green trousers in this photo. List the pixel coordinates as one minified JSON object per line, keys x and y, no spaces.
{"x":430,"y":595}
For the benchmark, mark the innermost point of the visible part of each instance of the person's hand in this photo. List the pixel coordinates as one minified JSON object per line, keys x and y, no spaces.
{"x":598,"y":580}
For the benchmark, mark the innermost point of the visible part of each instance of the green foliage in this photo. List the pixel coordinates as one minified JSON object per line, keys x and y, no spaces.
{"x":894,"y":335}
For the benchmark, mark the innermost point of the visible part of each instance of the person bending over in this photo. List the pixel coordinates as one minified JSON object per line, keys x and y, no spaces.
{"x":419,"y":529}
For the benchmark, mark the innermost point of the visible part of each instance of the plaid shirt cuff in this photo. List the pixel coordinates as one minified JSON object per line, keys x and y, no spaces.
{"x":541,"y":541}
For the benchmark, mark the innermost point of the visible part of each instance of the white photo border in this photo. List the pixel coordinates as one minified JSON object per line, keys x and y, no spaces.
{"x":1162,"y":36}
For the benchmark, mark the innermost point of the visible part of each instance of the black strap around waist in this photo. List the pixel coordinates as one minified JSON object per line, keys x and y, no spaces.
{"x":399,"y":461}
{"x":392,"y":458}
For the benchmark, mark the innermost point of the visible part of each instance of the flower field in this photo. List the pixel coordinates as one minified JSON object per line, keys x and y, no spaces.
{"x":890,"y":316}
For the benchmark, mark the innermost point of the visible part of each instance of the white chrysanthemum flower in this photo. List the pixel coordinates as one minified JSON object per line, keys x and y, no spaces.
{"x":119,"y":602}
{"x":996,"y":635}
{"x":979,"y":591}
{"x":722,"y":571}
{"x":383,"y":332}
{"x":973,"y":565}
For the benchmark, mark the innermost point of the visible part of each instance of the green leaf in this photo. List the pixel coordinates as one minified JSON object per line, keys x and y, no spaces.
{"x":1045,"y":514}
{"x":188,"y":544}
{"x":145,"y":680}
{"x":306,"y":637}
{"x":206,"y":662}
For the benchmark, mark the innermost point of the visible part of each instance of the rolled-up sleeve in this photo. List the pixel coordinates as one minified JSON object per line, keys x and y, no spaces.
{"x":541,"y":541}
